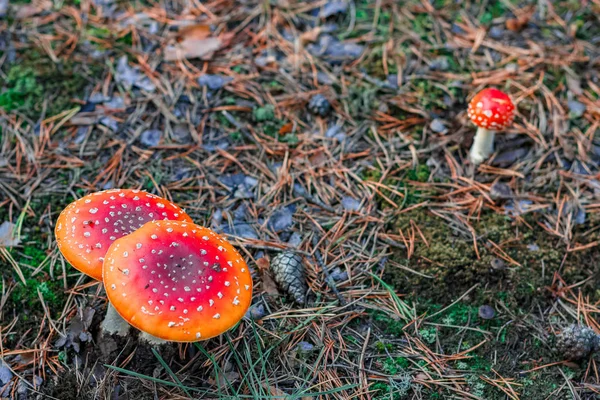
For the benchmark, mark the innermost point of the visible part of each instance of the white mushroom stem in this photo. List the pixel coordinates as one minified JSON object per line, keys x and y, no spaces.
{"x":483,"y":145}
{"x":152,"y":340}
{"x":113,"y":323}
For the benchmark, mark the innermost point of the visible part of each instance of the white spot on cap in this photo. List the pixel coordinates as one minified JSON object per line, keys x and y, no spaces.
{"x":154,"y":237}
{"x":217,"y":316}
{"x":199,"y":308}
{"x":93,"y":210}
{"x":125,"y":271}
{"x":198,"y":335}
{"x":171,"y":324}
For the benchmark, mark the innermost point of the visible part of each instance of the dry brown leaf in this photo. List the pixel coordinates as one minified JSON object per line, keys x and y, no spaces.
{"x":516,"y":24}
{"x":195,"y":42}
{"x":263,"y":264}
{"x":310,"y":36}
{"x":273,"y":391}
{"x":287,"y":128}
{"x":268,"y":284}
{"x":198,"y":32}
{"x":24,"y":11}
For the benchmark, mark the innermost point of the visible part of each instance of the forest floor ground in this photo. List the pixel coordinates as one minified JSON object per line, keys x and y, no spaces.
{"x":428,"y":277}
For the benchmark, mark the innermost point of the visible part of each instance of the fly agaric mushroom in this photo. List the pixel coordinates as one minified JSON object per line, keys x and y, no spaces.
{"x":87,"y":227}
{"x":177,"y":281}
{"x":491,"y":110}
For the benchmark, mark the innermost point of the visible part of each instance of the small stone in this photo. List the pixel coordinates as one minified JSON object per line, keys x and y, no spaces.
{"x":533,"y":247}
{"x":319,"y":105}
{"x":110,"y":123}
{"x":392,"y":80}
{"x":437,"y":125}
{"x":5,"y":373}
{"x":501,"y":190}
{"x":243,"y":230}
{"x":580,"y":216}
{"x":324,"y":79}
{"x":256,"y":312}
{"x":336,"y":132}
{"x":350,"y":203}
{"x":281,"y":219}
{"x":576,"y":108}
{"x":486,"y":312}
{"x":440,"y":64}
{"x":151,"y":137}
{"x":339,"y":275}
{"x":512,"y":68}
{"x":3,"y":8}
{"x":333,"y":8}
{"x":496,"y":32}
{"x":214,"y":82}
{"x":295,"y":240}
{"x":305,"y":346}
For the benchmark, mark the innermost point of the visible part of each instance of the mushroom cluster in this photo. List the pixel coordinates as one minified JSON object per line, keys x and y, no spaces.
{"x":163,"y":274}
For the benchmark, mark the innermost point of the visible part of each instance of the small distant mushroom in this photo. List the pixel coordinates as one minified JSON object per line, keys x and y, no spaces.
{"x":177,"y":281}
{"x":491,"y":110}
{"x":87,"y":227}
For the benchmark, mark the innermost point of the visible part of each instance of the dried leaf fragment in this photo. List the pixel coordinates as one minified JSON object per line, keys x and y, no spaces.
{"x":195,"y":42}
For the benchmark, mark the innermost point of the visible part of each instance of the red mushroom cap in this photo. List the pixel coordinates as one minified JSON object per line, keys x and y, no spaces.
{"x":491,"y":109}
{"x":177,"y":281}
{"x":87,"y":227}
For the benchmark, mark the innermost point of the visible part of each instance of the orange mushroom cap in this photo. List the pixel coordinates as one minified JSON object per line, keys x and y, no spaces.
{"x":177,"y":281}
{"x":86,"y":228}
{"x":491,"y":109}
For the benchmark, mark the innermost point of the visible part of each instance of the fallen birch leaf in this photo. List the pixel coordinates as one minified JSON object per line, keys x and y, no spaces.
{"x":268,"y":284}
{"x":25,"y":11}
{"x":195,"y":42}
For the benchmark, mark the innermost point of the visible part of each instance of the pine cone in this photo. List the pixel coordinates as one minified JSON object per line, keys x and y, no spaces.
{"x":577,"y":342}
{"x":288,"y":272}
{"x":319,"y":105}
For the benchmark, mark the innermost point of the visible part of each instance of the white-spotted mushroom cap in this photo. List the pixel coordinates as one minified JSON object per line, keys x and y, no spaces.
{"x":177,"y":281}
{"x":87,"y":227}
{"x":491,"y":109}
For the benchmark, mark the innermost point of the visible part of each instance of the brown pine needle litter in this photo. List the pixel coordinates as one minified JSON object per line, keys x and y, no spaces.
{"x":335,"y":130}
